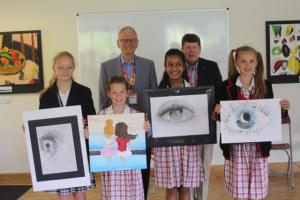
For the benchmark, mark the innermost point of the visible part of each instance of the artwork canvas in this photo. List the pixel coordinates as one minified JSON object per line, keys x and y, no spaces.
{"x":250,"y":121}
{"x":117,"y":142}
{"x":56,"y":148}
{"x":21,"y":63}
{"x":181,"y":116}
{"x":283,"y":51}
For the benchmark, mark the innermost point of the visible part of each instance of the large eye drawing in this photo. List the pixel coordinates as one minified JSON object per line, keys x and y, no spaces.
{"x":246,"y":118}
{"x":175,"y":112}
{"x":50,"y":143}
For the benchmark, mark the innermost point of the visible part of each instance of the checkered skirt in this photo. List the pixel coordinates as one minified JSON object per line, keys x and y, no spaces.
{"x":67,"y":191}
{"x":246,"y":173}
{"x":178,"y":166}
{"x":122,"y":185}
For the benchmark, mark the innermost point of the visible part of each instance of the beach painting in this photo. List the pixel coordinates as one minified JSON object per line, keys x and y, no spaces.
{"x":117,"y":142}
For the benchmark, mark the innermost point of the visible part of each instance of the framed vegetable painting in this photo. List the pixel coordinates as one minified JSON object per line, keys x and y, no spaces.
{"x":21,"y":64}
{"x":283,"y":51}
{"x":181,"y":116}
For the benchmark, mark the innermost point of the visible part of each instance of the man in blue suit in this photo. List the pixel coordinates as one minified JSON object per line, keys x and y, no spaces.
{"x":201,"y":72}
{"x":138,"y":71}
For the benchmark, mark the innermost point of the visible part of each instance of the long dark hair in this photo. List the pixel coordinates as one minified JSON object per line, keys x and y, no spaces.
{"x":165,"y":81}
{"x":121,"y":131}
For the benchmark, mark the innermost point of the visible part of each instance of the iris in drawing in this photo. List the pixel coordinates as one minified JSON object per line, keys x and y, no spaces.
{"x":246,"y":118}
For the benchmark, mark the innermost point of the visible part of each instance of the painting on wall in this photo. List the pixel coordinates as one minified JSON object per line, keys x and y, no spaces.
{"x":181,"y":116}
{"x":56,"y":148}
{"x":250,"y":121}
{"x":117,"y":142}
{"x":283,"y":51}
{"x":21,"y":64}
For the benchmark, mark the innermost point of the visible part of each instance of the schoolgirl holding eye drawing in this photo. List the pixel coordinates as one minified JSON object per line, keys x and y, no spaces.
{"x":64,"y":91}
{"x":246,"y":165}
{"x":177,"y":168}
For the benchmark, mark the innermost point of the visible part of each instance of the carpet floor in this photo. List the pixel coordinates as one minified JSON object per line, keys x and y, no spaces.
{"x":12,"y":192}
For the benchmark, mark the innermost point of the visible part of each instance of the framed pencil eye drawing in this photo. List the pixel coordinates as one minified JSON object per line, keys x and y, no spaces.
{"x":56,"y":148}
{"x":283,"y":51}
{"x":181,"y":116}
{"x":21,"y":63}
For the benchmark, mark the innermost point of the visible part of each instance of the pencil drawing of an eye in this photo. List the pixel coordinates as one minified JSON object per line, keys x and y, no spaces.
{"x":249,"y":118}
{"x":50,"y":143}
{"x":175,"y":112}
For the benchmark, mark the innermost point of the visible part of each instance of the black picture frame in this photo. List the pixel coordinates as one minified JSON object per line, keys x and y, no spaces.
{"x":283,"y":51}
{"x":208,"y":138}
{"x":21,"y":62}
{"x":40,"y":176}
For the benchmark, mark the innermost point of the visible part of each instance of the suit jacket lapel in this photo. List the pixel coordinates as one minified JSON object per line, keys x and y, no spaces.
{"x":232,"y":89}
{"x":201,"y":72}
{"x":118,"y":67}
{"x":72,"y":95}
{"x":138,"y":65}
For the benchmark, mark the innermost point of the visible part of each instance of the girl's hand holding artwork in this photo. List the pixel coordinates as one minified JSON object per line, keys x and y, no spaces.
{"x":284,"y":104}
{"x":85,"y":122}
{"x":216,"y":113}
{"x":86,"y":132}
{"x":147,"y":126}
{"x":217,"y":109}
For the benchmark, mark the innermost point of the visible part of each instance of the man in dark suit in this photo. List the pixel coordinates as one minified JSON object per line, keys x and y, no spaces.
{"x":138,"y":71}
{"x":201,"y":72}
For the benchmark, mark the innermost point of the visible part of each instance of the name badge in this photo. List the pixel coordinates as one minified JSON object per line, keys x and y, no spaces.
{"x":132,"y":99}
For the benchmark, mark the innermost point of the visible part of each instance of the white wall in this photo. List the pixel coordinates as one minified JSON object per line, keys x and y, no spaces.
{"x":57,"y":21}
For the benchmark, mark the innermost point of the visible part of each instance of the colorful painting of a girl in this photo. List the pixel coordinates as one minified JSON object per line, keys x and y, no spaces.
{"x":123,"y":138}
{"x":109,"y":151}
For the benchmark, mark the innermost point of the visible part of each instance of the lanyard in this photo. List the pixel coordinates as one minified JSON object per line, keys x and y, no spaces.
{"x":59,"y":100}
{"x":131,"y":81}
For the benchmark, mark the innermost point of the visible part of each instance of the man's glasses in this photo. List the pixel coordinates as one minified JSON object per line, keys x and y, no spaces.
{"x":128,"y":41}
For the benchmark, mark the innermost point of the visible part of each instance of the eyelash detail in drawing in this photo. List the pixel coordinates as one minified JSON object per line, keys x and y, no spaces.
{"x":246,"y":118}
{"x":175,"y":112}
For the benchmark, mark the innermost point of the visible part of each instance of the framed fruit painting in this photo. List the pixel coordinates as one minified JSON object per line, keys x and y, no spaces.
{"x":283,"y":51}
{"x":21,"y":63}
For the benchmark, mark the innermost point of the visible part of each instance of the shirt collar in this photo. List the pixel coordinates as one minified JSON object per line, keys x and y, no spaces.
{"x":239,"y":84}
{"x":131,"y":62}
{"x":110,"y":110}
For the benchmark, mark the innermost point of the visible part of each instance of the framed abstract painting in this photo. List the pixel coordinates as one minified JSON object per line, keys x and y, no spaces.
{"x":56,"y":148}
{"x":283,"y":51}
{"x":21,"y":63}
{"x":181,"y":116}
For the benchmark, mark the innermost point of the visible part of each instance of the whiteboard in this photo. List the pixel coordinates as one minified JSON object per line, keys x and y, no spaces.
{"x":157,"y":32}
